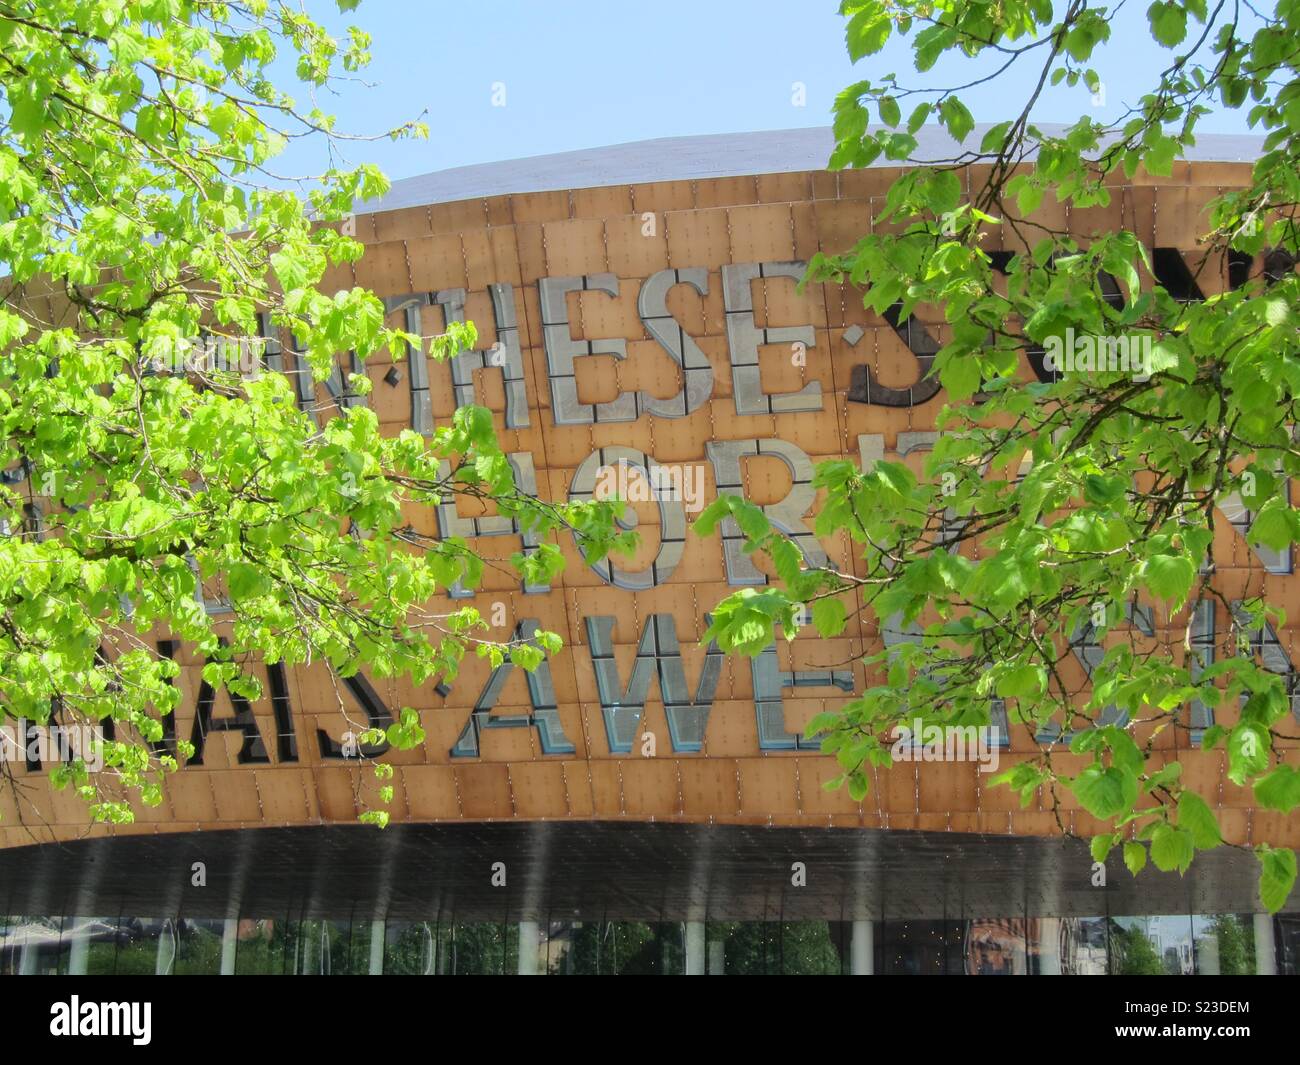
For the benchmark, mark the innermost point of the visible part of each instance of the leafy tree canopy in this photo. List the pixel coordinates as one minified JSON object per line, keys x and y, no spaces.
{"x":139,"y":209}
{"x":1060,"y":510}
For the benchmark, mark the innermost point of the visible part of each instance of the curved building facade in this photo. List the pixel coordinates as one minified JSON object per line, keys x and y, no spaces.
{"x":642,"y":802}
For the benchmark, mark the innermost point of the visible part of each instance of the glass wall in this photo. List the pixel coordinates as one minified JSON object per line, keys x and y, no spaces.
{"x":1180,"y":944}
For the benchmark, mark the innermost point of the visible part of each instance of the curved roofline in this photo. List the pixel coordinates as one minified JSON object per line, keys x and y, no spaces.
{"x":715,"y":155}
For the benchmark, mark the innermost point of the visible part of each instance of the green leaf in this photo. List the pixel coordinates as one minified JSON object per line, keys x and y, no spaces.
{"x":1277,"y":871}
{"x":247,"y":581}
{"x":1168,"y":22}
{"x":1248,"y":747}
{"x":1135,"y":857}
{"x":751,"y":519}
{"x":960,"y":375}
{"x":1103,"y":491}
{"x":867,"y":31}
{"x":1172,"y":848}
{"x":1198,"y":819}
{"x":1101,"y":846}
{"x":954,"y":115}
{"x":994,"y":136}
{"x":1274,"y":525}
{"x":859,"y":785}
{"x":1169,"y":576}
{"x":290,"y":270}
{"x":828,"y":616}
{"x":1168,"y":355}
{"x":1028,"y":680}
{"x":1279,"y":790}
{"x":1105,"y":792}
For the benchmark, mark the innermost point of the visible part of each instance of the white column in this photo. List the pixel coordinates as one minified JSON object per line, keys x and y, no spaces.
{"x":862,"y":949}
{"x":377,"y":948}
{"x":694,"y":948}
{"x":79,"y":948}
{"x":530,"y":956}
{"x":1049,"y":946}
{"x":229,"y":941}
{"x":718,"y":958}
{"x":1207,"y":956}
{"x":1265,"y":948}
{"x":30,"y":951}
{"x":165,"y":959}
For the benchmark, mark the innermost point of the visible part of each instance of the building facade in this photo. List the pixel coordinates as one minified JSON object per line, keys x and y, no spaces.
{"x":641,"y":803}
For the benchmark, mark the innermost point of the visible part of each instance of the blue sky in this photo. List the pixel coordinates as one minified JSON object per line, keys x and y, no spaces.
{"x":580,"y":74}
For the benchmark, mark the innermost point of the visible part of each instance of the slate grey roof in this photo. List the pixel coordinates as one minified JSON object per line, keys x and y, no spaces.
{"x":689,"y":158}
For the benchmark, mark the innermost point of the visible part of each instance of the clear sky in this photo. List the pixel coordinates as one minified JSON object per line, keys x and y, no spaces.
{"x":580,"y":74}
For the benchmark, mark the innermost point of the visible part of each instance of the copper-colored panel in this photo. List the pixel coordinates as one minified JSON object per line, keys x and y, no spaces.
{"x":430,"y":792}
{"x":574,"y":247}
{"x":606,"y":784}
{"x":602,"y":202}
{"x":454,"y":217}
{"x":762,"y":233}
{"x":484,"y":790}
{"x":726,"y":192}
{"x":784,"y":188}
{"x":649,"y":787}
{"x":436,"y":262}
{"x":768,"y":786}
{"x":697,"y":238}
{"x":577,"y":789}
{"x":286,"y":795}
{"x":663,"y":196}
{"x":636,"y":244}
{"x":401,"y":224}
{"x":864,"y":184}
{"x":236,"y":796}
{"x":540,"y":207}
{"x":539,"y":789}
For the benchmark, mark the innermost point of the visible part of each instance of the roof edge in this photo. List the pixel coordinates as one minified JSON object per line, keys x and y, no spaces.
{"x":701,"y":157}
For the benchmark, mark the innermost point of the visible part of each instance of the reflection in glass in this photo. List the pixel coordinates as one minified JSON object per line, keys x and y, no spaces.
{"x":319,"y":948}
{"x":996,"y":947}
{"x":1151,"y":946}
{"x":757,"y":948}
{"x":808,"y":949}
{"x":141,"y":946}
{"x":1286,"y":931}
{"x":355,"y":957}
{"x":31,"y":946}
{"x":612,"y":948}
{"x":572,"y":948}
{"x":261,"y":945}
{"x":88,"y":946}
{"x":198,"y":947}
{"x":638,"y":948}
{"x":921,"y":948}
{"x":1177,"y":944}
{"x":481,"y":948}
{"x":411,"y":948}
{"x":742,"y":948}
{"x":1225,"y":944}
{"x":1067,"y":946}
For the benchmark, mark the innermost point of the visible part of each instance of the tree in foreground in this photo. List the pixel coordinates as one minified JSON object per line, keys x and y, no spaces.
{"x":139,"y":210}
{"x":1069,"y":525}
